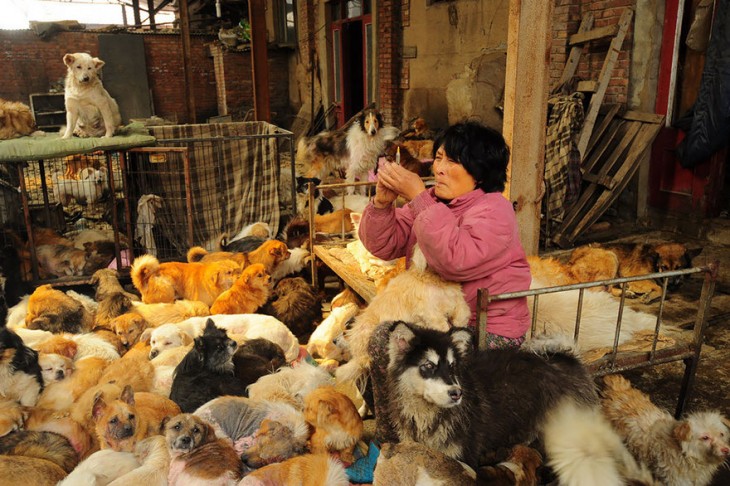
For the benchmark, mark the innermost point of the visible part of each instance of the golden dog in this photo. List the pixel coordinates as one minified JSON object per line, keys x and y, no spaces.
{"x":164,"y":282}
{"x":16,"y":120}
{"x":270,"y":254}
{"x":246,"y":295}
{"x":337,"y":424}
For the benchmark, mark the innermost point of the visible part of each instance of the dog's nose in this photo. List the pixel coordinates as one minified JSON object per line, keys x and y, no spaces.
{"x":184,"y":441}
{"x":127,"y":431}
{"x":85,"y":78}
{"x":154,"y":353}
{"x":725,"y":451}
{"x":59,"y":374}
{"x":455,"y":394}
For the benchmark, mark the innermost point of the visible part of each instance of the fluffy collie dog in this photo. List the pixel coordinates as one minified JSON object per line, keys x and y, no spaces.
{"x":354,"y":147}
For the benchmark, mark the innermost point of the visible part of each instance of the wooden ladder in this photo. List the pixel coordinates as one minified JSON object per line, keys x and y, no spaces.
{"x":585,"y":34}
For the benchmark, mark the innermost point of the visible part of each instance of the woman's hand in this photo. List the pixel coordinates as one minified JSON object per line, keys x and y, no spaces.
{"x":400,"y":180}
{"x":384,"y":197}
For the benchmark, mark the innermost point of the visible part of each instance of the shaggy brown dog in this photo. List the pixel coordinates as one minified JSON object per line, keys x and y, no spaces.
{"x":246,"y":295}
{"x":121,"y":423}
{"x":294,"y":302}
{"x":164,"y":282}
{"x":41,"y":445}
{"x":107,"y":285}
{"x":270,"y":254}
{"x":110,"y":308}
{"x":598,"y":262}
{"x":16,"y":120}
{"x":198,"y":456}
{"x":52,"y":310}
{"x":408,"y":462}
{"x":677,"y":452}
{"x":337,"y":423}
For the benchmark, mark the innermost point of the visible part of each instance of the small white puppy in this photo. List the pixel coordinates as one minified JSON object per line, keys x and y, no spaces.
{"x":90,"y":110}
{"x":87,"y":190}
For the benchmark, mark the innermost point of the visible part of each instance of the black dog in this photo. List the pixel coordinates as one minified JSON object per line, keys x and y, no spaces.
{"x":256,"y":358}
{"x":206,"y":371}
{"x":20,"y":374}
{"x":465,"y":403}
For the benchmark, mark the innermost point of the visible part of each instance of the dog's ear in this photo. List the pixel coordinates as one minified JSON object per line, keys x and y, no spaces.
{"x":691,"y":254}
{"x":682,"y":432}
{"x":163,"y":424}
{"x":402,"y":338}
{"x":209,"y":326}
{"x":127,"y":395}
{"x":147,"y":335}
{"x":98,"y":63}
{"x":463,"y":340}
{"x":69,"y":59}
{"x":97,"y":409}
{"x":185,"y":338}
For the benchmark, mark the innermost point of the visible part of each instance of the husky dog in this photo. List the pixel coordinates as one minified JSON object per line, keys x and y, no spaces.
{"x":466,"y":403}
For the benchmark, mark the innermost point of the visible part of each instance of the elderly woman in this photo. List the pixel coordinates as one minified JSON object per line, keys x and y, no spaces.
{"x":465,"y":228}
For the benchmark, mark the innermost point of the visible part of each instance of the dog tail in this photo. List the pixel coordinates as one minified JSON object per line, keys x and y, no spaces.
{"x":418,"y":260}
{"x":616,"y":383}
{"x":336,"y":474}
{"x":546,"y":345}
{"x":196,"y":253}
{"x":582,"y":448}
{"x":143,"y":267}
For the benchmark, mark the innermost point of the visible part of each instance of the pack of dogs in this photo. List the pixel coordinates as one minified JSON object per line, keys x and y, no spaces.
{"x":196,"y":375}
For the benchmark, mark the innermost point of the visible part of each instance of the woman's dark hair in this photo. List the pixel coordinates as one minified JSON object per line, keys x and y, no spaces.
{"x":481,"y":150}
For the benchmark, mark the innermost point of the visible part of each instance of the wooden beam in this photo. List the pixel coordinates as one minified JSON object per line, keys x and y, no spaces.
{"x":187,"y":67}
{"x":259,"y":59}
{"x":589,"y":86}
{"x":572,"y":64}
{"x":599,"y":33}
{"x":151,"y":12}
{"x":529,"y":37}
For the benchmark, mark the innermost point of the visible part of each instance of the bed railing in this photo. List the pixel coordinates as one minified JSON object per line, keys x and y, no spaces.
{"x":616,"y":360}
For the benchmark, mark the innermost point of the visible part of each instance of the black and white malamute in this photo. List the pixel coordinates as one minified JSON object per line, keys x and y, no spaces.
{"x":465,"y":403}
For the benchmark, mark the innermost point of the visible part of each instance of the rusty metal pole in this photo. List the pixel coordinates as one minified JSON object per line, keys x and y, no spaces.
{"x":259,"y":59}
{"x":187,"y":68}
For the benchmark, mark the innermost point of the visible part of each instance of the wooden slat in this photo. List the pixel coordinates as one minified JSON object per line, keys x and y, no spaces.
{"x":597,"y":33}
{"x":598,"y":132}
{"x":350,"y":274}
{"x":587,"y":86}
{"x":603,"y":79}
{"x":629,"y":164}
{"x":643,"y":117}
{"x":615,"y":129}
{"x":572,"y":63}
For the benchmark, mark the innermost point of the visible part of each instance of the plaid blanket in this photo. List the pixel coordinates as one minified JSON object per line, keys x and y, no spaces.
{"x":233,"y":181}
{"x":562,"y":158}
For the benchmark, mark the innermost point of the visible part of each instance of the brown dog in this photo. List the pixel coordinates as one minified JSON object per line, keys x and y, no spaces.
{"x":270,"y":253}
{"x":52,"y":310}
{"x":600,"y":262}
{"x":16,"y":120}
{"x":129,"y":327}
{"x":121,"y":423}
{"x":246,"y":295}
{"x":306,"y":470}
{"x":337,"y":424}
{"x":164,"y":282}
{"x":198,"y":456}
{"x":75,"y":163}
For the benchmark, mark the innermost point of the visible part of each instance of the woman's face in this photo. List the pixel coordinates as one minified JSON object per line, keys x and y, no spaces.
{"x":452,"y":179}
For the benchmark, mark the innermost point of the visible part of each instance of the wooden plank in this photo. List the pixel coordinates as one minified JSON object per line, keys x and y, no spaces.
{"x":629,"y":165}
{"x":603,"y":79}
{"x":597,"y":33}
{"x":643,"y":117}
{"x":572,"y":63}
{"x":349,"y":273}
{"x":589,"y":86}
{"x":598,"y":133}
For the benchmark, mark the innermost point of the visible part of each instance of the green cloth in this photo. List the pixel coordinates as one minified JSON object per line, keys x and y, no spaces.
{"x":51,"y":145}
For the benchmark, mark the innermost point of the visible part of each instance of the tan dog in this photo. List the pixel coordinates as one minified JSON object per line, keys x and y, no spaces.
{"x":410,"y":463}
{"x":90,"y":111}
{"x":597,"y":262}
{"x":164,"y":282}
{"x":41,"y":445}
{"x":30,"y":470}
{"x":12,"y":416}
{"x":129,"y":327}
{"x":133,"y":369}
{"x":154,"y":458}
{"x":16,"y":120}
{"x":335,"y":222}
{"x":164,"y":313}
{"x":122,"y":423}
{"x":198,"y":456}
{"x":678,"y":452}
{"x":306,"y":470}
{"x":246,"y":295}
{"x":337,"y":424}
{"x":52,"y":310}
{"x":107,"y":284}
{"x":270,"y":253}
{"x":62,"y":395}
{"x":54,"y":367}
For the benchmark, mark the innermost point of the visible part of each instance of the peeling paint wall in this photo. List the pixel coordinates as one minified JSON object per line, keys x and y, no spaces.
{"x":454,"y":57}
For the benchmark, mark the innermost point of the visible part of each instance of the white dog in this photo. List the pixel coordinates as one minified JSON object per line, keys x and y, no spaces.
{"x":87,"y":190}
{"x":90,"y":111}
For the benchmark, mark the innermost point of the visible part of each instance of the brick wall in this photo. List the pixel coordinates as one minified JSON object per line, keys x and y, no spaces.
{"x":566,"y":19}
{"x":31,"y":65}
{"x":389,"y":37}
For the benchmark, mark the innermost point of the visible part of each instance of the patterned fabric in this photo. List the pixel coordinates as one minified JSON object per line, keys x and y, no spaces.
{"x":233,"y":181}
{"x":378,"y":350}
{"x":562,"y":158}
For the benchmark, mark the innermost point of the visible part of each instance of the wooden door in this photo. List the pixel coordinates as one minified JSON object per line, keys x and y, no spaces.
{"x":674,"y":188}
